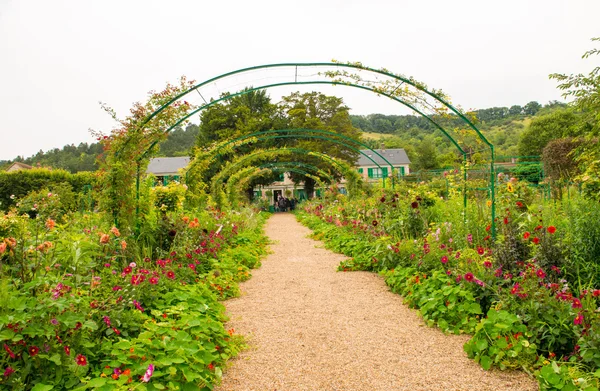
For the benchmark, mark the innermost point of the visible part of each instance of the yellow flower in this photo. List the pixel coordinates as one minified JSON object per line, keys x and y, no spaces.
{"x":510,"y":187}
{"x":489,"y":203}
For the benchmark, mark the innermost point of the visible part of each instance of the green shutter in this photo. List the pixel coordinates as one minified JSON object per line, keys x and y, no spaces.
{"x":370,"y":172}
{"x":360,"y":170}
{"x":281,"y":178}
{"x":402,"y":171}
{"x":165,"y":180}
{"x":384,"y":172}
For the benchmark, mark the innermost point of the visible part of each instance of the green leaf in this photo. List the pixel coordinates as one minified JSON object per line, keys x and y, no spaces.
{"x":6,"y":334}
{"x":97,"y":382}
{"x":42,"y":387}
{"x":481,"y":345}
{"x":55,"y":359}
{"x":485,"y":362}
{"x":158,"y":386}
{"x":501,"y":325}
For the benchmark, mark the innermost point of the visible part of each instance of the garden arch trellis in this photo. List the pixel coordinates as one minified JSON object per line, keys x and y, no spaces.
{"x":430,"y":104}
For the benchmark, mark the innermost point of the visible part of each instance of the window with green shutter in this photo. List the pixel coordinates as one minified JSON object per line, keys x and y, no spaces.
{"x":384,"y":172}
{"x":360,"y":170}
{"x":370,"y":172}
{"x":402,"y":171}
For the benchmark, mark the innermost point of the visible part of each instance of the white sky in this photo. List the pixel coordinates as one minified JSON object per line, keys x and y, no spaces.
{"x":59,"y":58}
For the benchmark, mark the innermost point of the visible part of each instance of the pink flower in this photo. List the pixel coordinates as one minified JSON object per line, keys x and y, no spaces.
{"x":106,"y":320}
{"x":444,"y":259}
{"x":148,"y":374}
{"x":137,"y":305}
{"x":578,"y":319}
{"x":9,"y":371}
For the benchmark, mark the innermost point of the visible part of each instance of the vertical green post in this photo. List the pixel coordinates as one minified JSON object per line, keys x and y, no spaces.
{"x":137,"y":200}
{"x":493,"y":189}
{"x":464,"y":188}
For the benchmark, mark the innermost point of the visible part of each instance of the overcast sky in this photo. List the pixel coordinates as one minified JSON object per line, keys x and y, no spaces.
{"x":59,"y":58}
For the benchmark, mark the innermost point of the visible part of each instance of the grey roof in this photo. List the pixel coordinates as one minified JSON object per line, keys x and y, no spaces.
{"x":167,"y":165}
{"x":395,"y":156}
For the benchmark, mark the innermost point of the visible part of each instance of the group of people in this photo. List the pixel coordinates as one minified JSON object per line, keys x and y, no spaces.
{"x":284,"y":204}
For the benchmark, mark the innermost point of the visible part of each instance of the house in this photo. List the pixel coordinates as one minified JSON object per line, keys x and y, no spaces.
{"x":167,"y":169}
{"x":396,"y":157}
{"x":18,"y":166}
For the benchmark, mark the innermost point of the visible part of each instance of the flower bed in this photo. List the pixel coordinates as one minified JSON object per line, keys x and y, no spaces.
{"x":85,"y":306}
{"x":528,"y":299}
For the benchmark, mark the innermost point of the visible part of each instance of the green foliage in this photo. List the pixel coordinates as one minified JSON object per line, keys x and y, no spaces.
{"x":81,"y":308}
{"x":543,"y":129}
{"x":16,"y":185}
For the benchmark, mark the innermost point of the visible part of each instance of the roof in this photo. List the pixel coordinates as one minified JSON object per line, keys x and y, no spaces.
{"x":167,"y":165}
{"x":17,"y":166}
{"x":394,"y":156}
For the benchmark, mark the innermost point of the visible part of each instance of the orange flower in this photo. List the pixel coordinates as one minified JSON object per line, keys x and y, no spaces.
{"x":186,"y":219}
{"x":123,"y":244}
{"x":50,"y":224}
{"x":115,"y":231}
{"x":12,"y":242}
{"x":104,"y":238}
{"x":127,"y":372}
{"x":2,"y":247}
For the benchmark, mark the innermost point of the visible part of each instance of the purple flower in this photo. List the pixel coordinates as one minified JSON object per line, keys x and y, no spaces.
{"x":54,"y":321}
{"x":148,"y":374}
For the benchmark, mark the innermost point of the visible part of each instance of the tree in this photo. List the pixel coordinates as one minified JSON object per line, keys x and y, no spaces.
{"x":426,"y":155}
{"x":315,"y":110}
{"x":532,"y":108}
{"x":544,"y":128}
{"x":585,"y":89}
{"x":515,"y":110}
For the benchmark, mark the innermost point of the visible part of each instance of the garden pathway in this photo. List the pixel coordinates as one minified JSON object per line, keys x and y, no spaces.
{"x":312,"y":328}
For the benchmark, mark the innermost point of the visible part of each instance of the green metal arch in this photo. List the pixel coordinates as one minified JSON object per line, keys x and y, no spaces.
{"x":221,"y":175}
{"x":296,"y":165}
{"x":253,"y":136}
{"x":402,"y":79}
{"x":213,"y":102}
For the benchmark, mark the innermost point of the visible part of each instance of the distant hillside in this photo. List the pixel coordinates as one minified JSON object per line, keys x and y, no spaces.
{"x":424,"y":144}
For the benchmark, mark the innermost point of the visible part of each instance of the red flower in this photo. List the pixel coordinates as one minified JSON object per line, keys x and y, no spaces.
{"x":375,"y":223}
{"x":81,"y":360}
{"x":488,"y":227}
{"x":9,"y":371}
{"x":540,"y":273}
{"x":576,"y":303}
{"x":414,"y":205}
{"x":480,"y":250}
{"x":67,"y":350}
{"x":153,"y":280}
{"x":487,"y":264}
{"x":536,"y":240}
{"x":127,"y":270}
{"x":10,"y":352}
{"x":444,"y":259}
{"x":33,"y":351}
{"x":551,"y":229}
{"x":469,"y":277}
{"x":520,"y":204}
{"x":578,"y":319}
{"x":596,"y":292}
{"x":506,"y":220}
{"x":526,"y":235}
{"x":170,"y":274}
{"x":538,"y":227}
{"x":211,"y":366}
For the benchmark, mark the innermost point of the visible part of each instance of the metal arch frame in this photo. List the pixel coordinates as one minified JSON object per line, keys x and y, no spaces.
{"x":272,"y":134}
{"x":292,"y":150}
{"x":402,"y":79}
{"x":296,"y":164}
{"x":303,"y":151}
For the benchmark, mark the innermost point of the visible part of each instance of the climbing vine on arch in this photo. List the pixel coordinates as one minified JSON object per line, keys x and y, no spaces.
{"x":129,"y":141}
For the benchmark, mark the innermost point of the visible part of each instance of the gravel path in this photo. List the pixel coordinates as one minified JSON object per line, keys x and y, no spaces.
{"x":312,"y":328}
